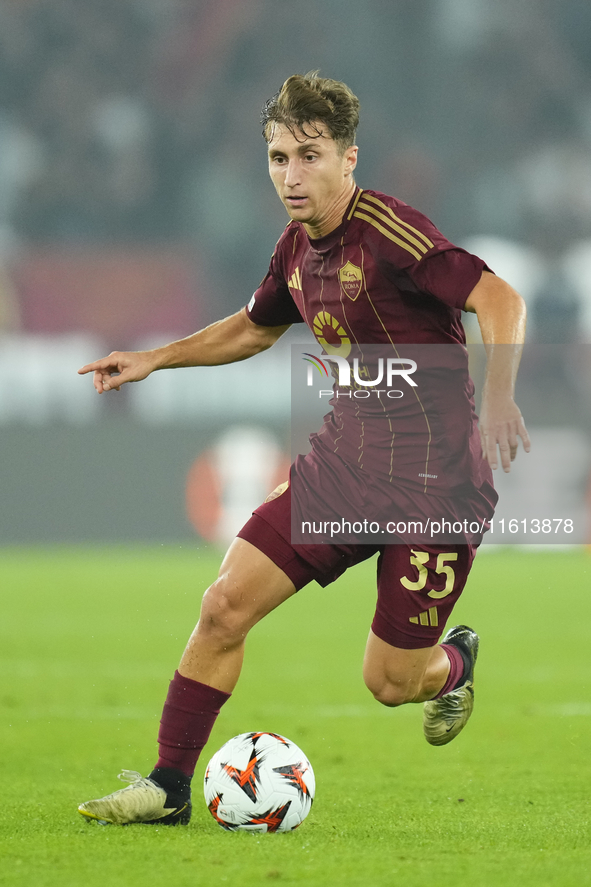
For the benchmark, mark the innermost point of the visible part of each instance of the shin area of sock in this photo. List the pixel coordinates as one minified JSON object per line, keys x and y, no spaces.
{"x":189,"y":713}
{"x":456,"y":669}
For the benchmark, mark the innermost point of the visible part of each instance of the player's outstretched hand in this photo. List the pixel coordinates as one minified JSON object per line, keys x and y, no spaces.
{"x":119,"y":367}
{"x":501,"y":423}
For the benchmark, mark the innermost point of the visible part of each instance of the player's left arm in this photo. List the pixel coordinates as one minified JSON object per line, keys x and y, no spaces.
{"x":501,"y":315}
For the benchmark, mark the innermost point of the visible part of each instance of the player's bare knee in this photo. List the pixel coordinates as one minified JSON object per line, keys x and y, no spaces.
{"x":223,"y":614}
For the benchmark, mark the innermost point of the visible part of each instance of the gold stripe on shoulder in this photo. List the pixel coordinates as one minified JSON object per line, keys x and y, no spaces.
{"x":400,"y":221}
{"x":387,"y":221}
{"x":389,"y":235}
{"x":355,"y":202}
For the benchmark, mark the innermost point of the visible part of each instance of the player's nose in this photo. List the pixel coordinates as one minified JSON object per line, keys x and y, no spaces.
{"x":292,"y":174}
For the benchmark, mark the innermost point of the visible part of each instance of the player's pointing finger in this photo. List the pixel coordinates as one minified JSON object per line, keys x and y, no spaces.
{"x":88,"y":368}
{"x":113,"y":361}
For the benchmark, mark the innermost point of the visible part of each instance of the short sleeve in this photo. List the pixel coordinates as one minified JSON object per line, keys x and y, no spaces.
{"x":450,"y":275}
{"x":272,"y":303}
{"x":415,"y":255}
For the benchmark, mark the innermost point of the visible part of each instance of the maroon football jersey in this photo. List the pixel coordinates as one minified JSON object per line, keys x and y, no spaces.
{"x":386,"y":276}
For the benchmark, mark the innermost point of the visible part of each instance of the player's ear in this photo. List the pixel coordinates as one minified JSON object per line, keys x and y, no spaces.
{"x":350,"y":158}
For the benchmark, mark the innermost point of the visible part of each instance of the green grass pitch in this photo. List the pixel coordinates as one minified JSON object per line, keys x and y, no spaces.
{"x":89,"y":639}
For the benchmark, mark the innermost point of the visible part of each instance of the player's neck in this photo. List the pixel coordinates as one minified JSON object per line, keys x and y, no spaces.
{"x":334,"y":215}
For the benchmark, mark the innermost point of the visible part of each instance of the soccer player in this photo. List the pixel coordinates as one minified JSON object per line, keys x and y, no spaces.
{"x":356,"y":266}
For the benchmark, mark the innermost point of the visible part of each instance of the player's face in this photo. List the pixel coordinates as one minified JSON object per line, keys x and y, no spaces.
{"x":313,"y":179}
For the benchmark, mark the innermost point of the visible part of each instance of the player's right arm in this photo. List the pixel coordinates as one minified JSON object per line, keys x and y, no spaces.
{"x":229,"y":340}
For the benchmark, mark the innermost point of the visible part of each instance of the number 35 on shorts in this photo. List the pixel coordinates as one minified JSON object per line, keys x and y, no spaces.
{"x":419,"y":559}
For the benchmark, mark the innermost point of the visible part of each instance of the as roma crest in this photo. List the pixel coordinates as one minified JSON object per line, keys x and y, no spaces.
{"x":351,"y":278}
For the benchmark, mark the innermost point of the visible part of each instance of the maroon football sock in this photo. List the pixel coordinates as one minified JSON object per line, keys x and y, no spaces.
{"x":187,"y":720}
{"x":456,"y":669}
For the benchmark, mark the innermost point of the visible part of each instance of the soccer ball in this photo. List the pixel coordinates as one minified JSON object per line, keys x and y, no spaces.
{"x":259,"y":782}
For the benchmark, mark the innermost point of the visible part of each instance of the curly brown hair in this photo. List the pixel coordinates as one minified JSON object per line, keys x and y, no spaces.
{"x":305,"y":101}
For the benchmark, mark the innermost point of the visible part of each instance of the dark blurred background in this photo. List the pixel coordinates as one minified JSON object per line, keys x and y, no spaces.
{"x":135,"y":207}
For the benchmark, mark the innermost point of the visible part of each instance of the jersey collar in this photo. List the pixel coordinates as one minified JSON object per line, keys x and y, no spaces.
{"x":323,"y":244}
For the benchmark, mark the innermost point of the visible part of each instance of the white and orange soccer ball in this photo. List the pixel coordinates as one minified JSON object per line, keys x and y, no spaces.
{"x":259,"y":782}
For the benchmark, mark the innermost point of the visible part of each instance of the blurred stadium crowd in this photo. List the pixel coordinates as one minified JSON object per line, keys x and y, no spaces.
{"x":131,"y":123}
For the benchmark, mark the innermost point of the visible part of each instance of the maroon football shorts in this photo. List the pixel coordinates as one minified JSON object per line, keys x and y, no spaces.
{"x":418,"y":585}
